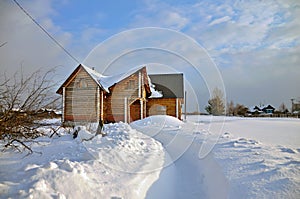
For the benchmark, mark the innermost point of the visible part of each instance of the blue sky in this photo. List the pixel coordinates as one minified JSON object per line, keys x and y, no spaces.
{"x":255,"y":44}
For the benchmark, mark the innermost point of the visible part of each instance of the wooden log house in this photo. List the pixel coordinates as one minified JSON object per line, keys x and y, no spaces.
{"x":88,"y":96}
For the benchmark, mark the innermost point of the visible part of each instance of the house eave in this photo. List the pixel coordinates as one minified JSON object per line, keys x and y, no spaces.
{"x":71,"y":77}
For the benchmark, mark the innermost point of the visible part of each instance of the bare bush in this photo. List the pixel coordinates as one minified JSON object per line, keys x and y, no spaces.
{"x":21,"y":99}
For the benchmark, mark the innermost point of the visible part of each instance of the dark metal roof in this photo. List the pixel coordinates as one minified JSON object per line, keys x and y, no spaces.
{"x":171,"y":85}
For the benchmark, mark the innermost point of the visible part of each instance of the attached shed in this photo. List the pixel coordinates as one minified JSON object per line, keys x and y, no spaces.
{"x":172,"y":90}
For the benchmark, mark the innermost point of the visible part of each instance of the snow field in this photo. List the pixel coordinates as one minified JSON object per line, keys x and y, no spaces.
{"x":259,"y":156}
{"x":255,"y":170}
{"x":270,"y":131}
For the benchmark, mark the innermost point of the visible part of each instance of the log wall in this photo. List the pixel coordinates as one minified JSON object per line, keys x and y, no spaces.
{"x":154,"y":106}
{"x":114,"y":104}
{"x":81,"y":99}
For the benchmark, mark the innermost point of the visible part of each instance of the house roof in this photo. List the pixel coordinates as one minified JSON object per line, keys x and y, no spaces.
{"x":69,"y":79}
{"x":261,"y":109}
{"x":105,"y":82}
{"x":171,"y":85}
{"x":270,"y":107}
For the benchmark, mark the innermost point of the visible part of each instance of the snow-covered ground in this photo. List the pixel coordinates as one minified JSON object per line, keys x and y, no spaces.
{"x":123,"y":164}
{"x":258,"y":156}
{"x":271,"y":131}
{"x":161,"y":157}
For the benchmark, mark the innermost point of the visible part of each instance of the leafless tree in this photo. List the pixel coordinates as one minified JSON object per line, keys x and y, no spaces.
{"x":216,"y":103}
{"x":240,"y":110}
{"x":236,"y":110}
{"x":283,"y":108}
{"x":230,"y":108}
{"x":21,"y":97}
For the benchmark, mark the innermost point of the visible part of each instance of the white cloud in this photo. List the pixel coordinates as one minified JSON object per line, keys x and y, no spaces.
{"x":243,"y":25}
{"x":174,"y":19}
{"x":219,"y":20}
{"x":215,"y":24}
{"x":167,"y":19}
{"x":91,"y":33}
{"x":159,"y":14}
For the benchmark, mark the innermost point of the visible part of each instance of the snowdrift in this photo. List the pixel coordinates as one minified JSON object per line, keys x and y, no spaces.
{"x":122,"y":164}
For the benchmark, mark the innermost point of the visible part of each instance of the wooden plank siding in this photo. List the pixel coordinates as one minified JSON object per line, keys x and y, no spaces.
{"x":114,"y":105}
{"x":155,"y":105}
{"x":81,"y":99}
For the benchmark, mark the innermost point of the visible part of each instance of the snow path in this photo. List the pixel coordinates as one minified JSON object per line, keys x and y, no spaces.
{"x":194,"y":177}
{"x":259,"y":156}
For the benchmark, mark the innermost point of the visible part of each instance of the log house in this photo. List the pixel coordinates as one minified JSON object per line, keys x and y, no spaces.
{"x":88,"y":96}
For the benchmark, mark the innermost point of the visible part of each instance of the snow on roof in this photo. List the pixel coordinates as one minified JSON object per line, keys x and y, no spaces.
{"x":154,"y":93}
{"x":171,"y":85}
{"x":107,"y":81}
{"x":95,"y":75}
{"x":254,"y":109}
{"x":259,"y":108}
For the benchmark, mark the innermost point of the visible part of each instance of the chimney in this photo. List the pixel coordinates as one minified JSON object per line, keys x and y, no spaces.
{"x":93,"y":68}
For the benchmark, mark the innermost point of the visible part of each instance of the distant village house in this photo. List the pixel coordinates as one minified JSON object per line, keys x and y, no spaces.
{"x":295,"y":107}
{"x":260,"y":110}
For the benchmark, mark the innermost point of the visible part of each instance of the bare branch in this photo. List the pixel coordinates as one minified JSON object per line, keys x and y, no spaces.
{"x":55,"y":131}
{"x":21,"y":97}
{"x":22,"y":143}
{"x":1,"y":45}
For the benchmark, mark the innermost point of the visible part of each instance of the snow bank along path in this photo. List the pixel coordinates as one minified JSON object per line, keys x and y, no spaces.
{"x":184,"y":175}
{"x":123,"y":164}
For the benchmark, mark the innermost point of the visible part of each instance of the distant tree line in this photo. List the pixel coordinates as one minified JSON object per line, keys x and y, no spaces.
{"x":236,"y":110}
{"x":216,"y":106}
